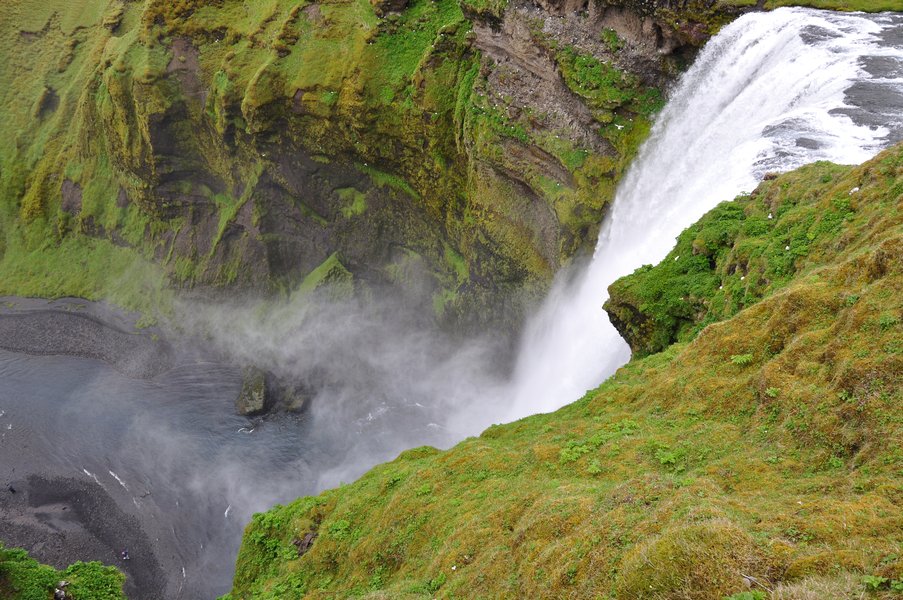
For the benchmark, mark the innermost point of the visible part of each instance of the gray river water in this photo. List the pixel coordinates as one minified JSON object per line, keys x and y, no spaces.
{"x":170,"y":449}
{"x":143,"y":450}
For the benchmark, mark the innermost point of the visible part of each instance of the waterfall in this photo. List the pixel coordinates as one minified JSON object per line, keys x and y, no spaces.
{"x":771,"y":92}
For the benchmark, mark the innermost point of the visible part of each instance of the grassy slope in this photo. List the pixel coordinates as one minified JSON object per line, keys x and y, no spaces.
{"x":738,"y":253}
{"x":23,"y":578}
{"x":768,"y":446}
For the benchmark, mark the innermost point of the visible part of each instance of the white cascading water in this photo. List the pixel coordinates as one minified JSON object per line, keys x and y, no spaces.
{"x":767,"y":94}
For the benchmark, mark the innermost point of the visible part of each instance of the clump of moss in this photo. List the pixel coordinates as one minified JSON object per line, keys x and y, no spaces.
{"x":698,"y":560}
{"x":23,"y":578}
{"x":608,"y":91}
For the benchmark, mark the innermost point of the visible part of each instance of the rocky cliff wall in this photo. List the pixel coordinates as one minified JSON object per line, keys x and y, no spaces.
{"x":466,"y":152}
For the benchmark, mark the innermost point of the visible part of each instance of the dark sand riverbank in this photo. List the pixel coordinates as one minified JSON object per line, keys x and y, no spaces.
{"x":63,"y":519}
{"x":61,"y":515}
{"x":74,"y":327}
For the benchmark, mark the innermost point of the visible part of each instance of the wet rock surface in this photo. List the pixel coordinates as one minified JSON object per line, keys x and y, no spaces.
{"x":252,"y":399}
{"x":262,"y":391}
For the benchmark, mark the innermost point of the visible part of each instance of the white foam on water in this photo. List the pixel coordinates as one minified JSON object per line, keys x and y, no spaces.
{"x":118,"y":480}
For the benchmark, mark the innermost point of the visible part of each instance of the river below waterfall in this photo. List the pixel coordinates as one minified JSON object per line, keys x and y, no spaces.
{"x":94,"y":460}
{"x":97,"y":456}
{"x":161,"y":467}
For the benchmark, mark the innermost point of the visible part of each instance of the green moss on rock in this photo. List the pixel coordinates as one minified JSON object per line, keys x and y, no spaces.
{"x":330,"y":275}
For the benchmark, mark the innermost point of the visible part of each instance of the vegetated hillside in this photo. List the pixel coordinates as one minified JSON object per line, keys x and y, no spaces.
{"x":465,"y":148}
{"x":759,"y":457}
{"x":741,"y":251}
{"x":22,"y":578}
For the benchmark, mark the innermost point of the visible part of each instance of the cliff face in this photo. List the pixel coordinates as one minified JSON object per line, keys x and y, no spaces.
{"x":467,"y":150}
{"x":762,"y":453}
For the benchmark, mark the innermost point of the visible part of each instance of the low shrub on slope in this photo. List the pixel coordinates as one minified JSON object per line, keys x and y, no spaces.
{"x":23,"y":578}
{"x":762,"y":458}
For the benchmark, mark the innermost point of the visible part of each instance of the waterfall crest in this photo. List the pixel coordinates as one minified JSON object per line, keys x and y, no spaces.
{"x":771,"y":92}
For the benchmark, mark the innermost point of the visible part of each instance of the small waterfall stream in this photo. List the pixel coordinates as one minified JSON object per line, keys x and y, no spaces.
{"x":771,"y":92}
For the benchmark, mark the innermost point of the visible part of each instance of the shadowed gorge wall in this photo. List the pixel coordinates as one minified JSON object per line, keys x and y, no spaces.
{"x":460,"y":150}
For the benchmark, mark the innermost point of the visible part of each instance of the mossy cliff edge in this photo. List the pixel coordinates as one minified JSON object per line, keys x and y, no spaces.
{"x":462,"y":148}
{"x":757,"y":457}
{"x":744,"y":250}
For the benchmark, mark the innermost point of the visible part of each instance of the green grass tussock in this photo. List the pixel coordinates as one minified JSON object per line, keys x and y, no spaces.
{"x":23,"y":578}
{"x":700,"y":560}
{"x":692,"y":473}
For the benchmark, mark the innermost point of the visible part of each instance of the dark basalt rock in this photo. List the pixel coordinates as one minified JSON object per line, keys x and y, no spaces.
{"x":383,"y":7}
{"x":304,"y":544}
{"x":72,"y":197}
{"x":252,"y":399}
{"x":263,"y":392}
